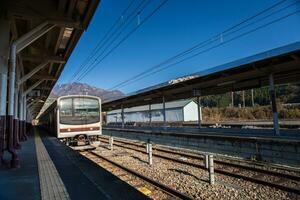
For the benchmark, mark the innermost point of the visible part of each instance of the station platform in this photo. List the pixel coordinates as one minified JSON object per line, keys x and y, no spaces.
{"x":263,"y":133}
{"x":51,"y":170}
{"x":255,"y":145}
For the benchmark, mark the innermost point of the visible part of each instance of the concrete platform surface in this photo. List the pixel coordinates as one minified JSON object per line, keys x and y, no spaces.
{"x":21,"y":183}
{"x":48,"y":165}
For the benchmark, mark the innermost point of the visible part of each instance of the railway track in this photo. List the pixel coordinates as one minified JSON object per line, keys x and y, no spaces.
{"x":233,"y":170}
{"x":115,"y":168}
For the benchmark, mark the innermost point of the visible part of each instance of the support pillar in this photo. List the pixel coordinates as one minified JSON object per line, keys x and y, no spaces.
{"x":164,"y":112}
{"x":4,"y":51}
{"x":232,"y":99}
{"x":274,"y":105}
{"x":11,"y":103}
{"x":150,"y":162}
{"x":211,"y":169}
{"x":17,"y":46}
{"x":199,"y":111}
{"x":21,"y":117}
{"x":122,"y":116}
{"x":252,"y":97}
{"x":150,"y":115}
{"x":243,"y":97}
{"x":25,"y":118}
{"x":16,"y":119}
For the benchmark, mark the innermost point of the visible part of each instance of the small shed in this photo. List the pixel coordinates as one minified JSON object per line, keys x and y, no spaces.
{"x":176,"y":111}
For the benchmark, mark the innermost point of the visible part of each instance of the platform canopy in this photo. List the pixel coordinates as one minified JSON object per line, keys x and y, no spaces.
{"x":246,"y":73}
{"x":40,"y":64}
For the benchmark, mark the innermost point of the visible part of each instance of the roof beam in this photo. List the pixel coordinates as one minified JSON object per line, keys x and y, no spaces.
{"x":32,"y":87}
{"x":44,"y":77}
{"x":44,"y":88}
{"x":35,"y":58}
{"x":32,"y":72}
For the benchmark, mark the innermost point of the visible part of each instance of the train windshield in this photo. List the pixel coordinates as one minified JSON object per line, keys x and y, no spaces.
{"x":79,"y":110}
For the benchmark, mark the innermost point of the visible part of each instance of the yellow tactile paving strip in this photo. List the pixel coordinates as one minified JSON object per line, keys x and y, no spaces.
{"x":51,"y":185}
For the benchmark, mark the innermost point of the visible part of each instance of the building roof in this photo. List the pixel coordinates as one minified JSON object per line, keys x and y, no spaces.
{"x":169,"y":105}
{"x":54,"y":47}
{"x":246,"y":73}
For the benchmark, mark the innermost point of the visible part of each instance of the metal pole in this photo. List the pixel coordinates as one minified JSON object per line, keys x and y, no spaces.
{"x":4,"y":51}
{"x":25,"y":117}
{"x":122,"y":116}
{"x":150,"y":154}
{"x":232,"y":99}
{"x":17,"y":46}
{"x":16,"y":119}
{"x":11,"y":103}
{"x":243,"y":96}
{"x":12,"y":76}
{"x":20,"y":116}
{"x":206,"y":161}
{"x":147,"y":147}
{"x":164,"y":112}
{"x":150,"y":115}
{"x":274,"y":105}
{"x":111,"y":142}
{"x":252,"y":97}
{"x":211,"y":170}
{"x":199,"y":111}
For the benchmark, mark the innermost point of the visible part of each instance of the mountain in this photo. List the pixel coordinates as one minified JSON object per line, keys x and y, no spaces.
{"x":85,"y":89}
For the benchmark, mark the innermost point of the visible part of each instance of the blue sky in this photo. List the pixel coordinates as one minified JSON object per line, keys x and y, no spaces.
{"x":177,"y":26}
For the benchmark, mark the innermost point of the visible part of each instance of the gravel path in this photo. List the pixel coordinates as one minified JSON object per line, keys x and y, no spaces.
{"x":130,"y":179}
{"x":269,"y":178}
{"x":191,"y":180}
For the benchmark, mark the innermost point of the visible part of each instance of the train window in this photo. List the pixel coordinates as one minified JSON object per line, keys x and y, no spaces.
{"x":87,"y":108}
{"x":78,"y":110}
{"x":66,"y":107}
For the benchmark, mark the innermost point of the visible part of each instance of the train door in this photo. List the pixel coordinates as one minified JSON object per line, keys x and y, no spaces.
{"x":81,"y":113}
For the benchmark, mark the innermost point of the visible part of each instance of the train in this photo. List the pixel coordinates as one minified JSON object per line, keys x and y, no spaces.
{"x":74,"y":119}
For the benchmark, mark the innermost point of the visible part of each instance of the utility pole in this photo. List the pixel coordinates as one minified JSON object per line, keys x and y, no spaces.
{"x":252,"y":97}
{"x":232,"y":100}
{"x":243,"y":96}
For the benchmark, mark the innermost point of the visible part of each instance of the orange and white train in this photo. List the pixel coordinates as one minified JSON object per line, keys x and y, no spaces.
{"x":74,"y":119}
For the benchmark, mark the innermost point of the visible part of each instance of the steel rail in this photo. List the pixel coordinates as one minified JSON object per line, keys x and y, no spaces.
{"x":273,"y":173}
{"x":163,"y":187}
{"x":224,"y":172}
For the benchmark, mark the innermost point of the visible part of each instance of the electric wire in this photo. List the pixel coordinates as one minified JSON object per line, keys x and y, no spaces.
{"x":124,"y":38}
{"x":215,"y":46}
{"x":116,"y":35}
{"x":102,"y":41}
{"x":211,"y":40}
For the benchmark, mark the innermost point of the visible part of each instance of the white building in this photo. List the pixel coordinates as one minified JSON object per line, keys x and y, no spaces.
{"x":183,"y":110}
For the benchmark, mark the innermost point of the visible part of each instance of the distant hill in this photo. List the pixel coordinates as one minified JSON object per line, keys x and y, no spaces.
{"x":81,"y":89}
{"x":84,"y":89}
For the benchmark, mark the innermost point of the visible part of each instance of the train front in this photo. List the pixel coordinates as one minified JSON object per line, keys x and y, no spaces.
{"x":79,"y":119}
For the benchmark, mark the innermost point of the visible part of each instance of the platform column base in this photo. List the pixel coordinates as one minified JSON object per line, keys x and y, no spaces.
{"x":17,"y":144}
{"x":2,"y":137}
{"x":14,"y":163}
{"x":24,"y":130}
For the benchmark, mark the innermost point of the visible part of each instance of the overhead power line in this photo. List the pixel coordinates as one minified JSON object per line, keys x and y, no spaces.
{"x":114,"y":36}
{"x":221,"y":44}
{"x":207,"y":42}
{"x":124,"y":38}
{"x":106,"y":37}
